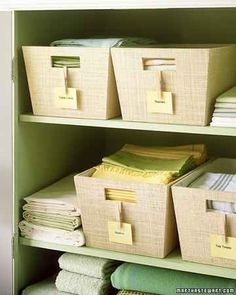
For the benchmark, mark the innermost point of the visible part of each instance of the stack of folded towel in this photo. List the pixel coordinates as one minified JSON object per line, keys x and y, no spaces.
{"x":52,"y":215}
{"x":155,"y":280}
{"x":159,"y":165}
{"x":217,"y":182}
{"x":85,"y":275}
{"x":225,"y":109}
{"x":126,"y":292}
{"x":99,"y":42}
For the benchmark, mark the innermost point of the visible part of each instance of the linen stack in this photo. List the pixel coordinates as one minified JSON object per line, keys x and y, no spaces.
{"x":85,"y":275}
{"x":53,"y":215}
{"x":225,"y":109}
{"x":154,"y":280}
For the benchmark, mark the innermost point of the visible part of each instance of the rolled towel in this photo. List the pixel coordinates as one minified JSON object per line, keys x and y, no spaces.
{"x":51,"y":235}
{"x":155,"y":280}
{"x":95,"y":267}
{"x":81,"y":285}
{"x":44,"y":287}
{"x":60,"y":221}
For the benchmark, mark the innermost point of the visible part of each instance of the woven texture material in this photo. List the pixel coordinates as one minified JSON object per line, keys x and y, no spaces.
{"x":152,"y":216}
{"x":196,"y":223}
{"x":94,"y":81}
{"x":199,"y":77}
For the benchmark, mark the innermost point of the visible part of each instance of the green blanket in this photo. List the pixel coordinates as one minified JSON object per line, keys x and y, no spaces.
{"x":149,"y":279}
{"x":150,"y":164}
{"x":64,"y":222}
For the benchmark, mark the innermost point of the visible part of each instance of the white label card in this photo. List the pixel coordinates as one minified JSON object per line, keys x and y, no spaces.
{"x":66,"y":99}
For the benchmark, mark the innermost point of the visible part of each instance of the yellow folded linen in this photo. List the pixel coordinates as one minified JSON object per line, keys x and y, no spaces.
{"x":106,"y":171}
{"x":197,"y":151}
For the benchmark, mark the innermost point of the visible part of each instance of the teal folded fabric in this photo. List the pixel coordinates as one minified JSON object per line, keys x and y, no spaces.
{"x":155,"y":280}
{"x":65,"y":222}
{"x":46,"y":287}
{"x":105,"y":42}
{"x":95,"y":267}
{"x":81,"y":285}
{"x":150,"y":164}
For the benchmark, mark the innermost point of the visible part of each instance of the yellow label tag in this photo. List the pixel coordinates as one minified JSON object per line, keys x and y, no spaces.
{"x":157,"y":104}
{"x":66,"y":99}
{"x":222,"y":249}
{"x":120,"y":232}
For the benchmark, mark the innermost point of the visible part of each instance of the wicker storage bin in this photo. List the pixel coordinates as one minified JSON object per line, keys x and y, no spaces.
{"x":94,"y":82}
{"x":152,"y":217}
{"x":197,"y":224}
{"x":194,"y":76}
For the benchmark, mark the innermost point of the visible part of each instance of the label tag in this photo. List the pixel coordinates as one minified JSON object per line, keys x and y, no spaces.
{"x":222,"y":249}
{"x":120,"y":232}
{"x":163,"y":104}
{"x":66,"y":100}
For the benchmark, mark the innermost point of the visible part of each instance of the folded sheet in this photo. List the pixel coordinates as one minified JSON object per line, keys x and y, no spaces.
{"x":64,"y":222}
{"x":217,"y":182}
{"x":221,"y":124}
{"x":150,"y":164}
{"x":46,"y":287}
{"x":52,"y":235}
{"x":224,"y":115}
{"x":155,"y":280}
{"x":228,"y":96}
{"x":57,"y":198}
{"x":126,"y":292}
{"x":105,"y":42}
{"x":81,"y":285}
{"x":226,"y":105}
{"x":224,"y":120}
{"x":95,"y":267}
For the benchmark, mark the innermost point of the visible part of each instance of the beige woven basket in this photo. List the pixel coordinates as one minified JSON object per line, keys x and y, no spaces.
{"x":151,"y":217}
{"x":194,"y":76}
{"x":196,"y":223}
{"x":94,"y":82}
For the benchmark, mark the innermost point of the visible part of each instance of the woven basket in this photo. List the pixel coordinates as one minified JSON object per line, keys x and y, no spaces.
{"x":196,"y":223}
{"x":194,"y":76}
{"x":151,"y":217}
{"x":94,"y":82}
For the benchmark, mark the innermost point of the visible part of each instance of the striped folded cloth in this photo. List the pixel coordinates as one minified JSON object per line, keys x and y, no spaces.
{"x":126,"y":292}
{"x":217,"y":182}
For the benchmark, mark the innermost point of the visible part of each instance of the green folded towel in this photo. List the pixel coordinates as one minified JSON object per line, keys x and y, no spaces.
{"x":81,"y":285}
{"x":150,"y":164}
{"x":100,"y":268}
{"x":64,"y":222}
{"x":155,"y":280}
{"x":66,"y":61}
{"x":46,"y":287}
{"x":106,"y":42}
{"x":228,"y":96}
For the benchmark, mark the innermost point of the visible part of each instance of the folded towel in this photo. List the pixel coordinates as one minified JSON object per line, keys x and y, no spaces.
{"x":228,"y":96}
{"x":64,"y":222}
{"x":225,"y":105}
{"x":66,"y":61}
{"x":105,"y":171}
{"x":150,"y":164}
{"x":81,"y":285}
{"x":59,"y":197}
{"x":197,"y":151}
{"x":125,"y":292}
{"x":106,"y":42}
{"x":224,"y":120}
{"x":95,"y":267}
{"x":217,"y":182}
{"x":44,"y":287}
{"x":218,"y":124}
{"x":224,"y":110}
{"x":155,"y":280}
{"x":224,"y":115}
{"x":52,"y":235}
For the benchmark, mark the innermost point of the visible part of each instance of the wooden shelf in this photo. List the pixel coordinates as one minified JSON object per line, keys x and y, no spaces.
{"x":108,"y":4}
{"x":118,"y":123}
{"x":173,"y":261}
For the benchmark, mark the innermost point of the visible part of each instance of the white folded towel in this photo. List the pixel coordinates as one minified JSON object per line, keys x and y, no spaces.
{"x":217,"y":182}
{"x":224,"y":120}
{"x":52,"y":235}
{"x":57,"y":198}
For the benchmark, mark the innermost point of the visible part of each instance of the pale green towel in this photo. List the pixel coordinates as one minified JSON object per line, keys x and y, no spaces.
{"x":64,"y":222}
{"x":228,"y":96}
{"x":66,"y":61}
{"x":150,"y":164}
{"x":87,"y":265}
{"x":105,"y":42}
{"x":81,"y":285}
{"x":46,"y":287}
